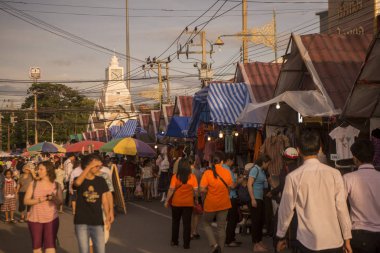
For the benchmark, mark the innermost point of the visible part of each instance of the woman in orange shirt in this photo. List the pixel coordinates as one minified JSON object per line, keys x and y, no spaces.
{"x":183,"y":189}
{"x":216,"y":183}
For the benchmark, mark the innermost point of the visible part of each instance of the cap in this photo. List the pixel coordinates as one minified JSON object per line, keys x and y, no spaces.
{"x":248,"y":166}
{"x":291,"y":153}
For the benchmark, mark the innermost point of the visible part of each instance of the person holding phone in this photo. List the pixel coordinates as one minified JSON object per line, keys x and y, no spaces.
{"x":44,"y":196}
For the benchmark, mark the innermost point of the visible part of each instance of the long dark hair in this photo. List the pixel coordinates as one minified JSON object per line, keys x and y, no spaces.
{"x":184,"y":170}
{"x":217,"y":158}
{"x":50,"y":170}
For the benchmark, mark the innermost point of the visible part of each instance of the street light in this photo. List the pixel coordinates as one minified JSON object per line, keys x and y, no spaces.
{"x":43,"y":120}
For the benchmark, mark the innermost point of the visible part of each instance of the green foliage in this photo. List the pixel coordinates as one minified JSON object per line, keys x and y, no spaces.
{"x":63,"y":106}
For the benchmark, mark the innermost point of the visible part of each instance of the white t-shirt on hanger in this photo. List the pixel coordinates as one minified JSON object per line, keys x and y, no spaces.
{"x":344,"y":138}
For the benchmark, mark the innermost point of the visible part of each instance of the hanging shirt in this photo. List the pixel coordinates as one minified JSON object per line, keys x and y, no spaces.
{"x":344,"y":138}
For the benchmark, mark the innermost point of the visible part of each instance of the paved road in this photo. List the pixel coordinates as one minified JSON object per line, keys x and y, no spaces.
{"x":145,"y":229}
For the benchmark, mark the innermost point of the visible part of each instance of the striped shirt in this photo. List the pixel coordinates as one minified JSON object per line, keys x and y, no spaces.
{"x":47,"y":210}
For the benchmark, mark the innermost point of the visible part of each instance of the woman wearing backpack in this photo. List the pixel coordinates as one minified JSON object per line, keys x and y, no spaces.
{"x":44,"y":196}
{"x":257,"y":181}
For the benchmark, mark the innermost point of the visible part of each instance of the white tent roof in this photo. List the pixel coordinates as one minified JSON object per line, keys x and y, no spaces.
{"x":307,"y":103}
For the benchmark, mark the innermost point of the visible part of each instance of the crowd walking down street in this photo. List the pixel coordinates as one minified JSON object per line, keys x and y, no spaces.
{"x":214,"y":208}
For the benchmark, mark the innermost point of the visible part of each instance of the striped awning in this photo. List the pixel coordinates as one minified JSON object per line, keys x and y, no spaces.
{"x":114,"y":130}
{"x":219,"y":103}
{"x":184,"y":104}
{"x":144,"y":120}
{"x":227,"y":101}
{"x":127,"y":130}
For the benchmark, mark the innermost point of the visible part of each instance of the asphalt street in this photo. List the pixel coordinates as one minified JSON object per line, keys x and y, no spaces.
{"x":145,"y":229}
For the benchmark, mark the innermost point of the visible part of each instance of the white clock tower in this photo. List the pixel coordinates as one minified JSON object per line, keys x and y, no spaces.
{"x":115,"y":92}
{"x":114,"y":105}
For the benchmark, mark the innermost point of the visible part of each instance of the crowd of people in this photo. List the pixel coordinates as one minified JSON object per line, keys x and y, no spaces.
{"x":309,"y":207}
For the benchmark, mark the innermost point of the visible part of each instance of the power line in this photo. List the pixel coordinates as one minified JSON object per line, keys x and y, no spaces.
{"x":58,"y":31}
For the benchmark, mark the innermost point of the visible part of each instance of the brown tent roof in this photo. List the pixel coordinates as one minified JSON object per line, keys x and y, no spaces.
{"x":363,"y":101}
{"x":261,"y":78}
{"x":328,"y":64}
{"x":337,"y":60}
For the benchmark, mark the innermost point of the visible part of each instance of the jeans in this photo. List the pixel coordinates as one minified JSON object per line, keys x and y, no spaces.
{"x":221,"y":217}
{"x":96,"y":233}
{"x":364,"y":241}
{"x":183,"y":212}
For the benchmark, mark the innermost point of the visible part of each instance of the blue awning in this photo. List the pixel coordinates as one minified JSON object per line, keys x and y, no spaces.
{"x":200,"y":112}
{"x":127,"y":130}
{"x":219,"y":103}
{"x":227,"y":101}
{"x":178,"y":127}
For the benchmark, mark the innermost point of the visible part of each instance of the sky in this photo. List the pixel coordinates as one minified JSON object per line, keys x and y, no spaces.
{"x":154,"y":26}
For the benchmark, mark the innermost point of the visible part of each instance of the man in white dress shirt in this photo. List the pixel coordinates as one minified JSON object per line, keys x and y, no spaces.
{"x":316,"y":192}
{"x":363,"y":189}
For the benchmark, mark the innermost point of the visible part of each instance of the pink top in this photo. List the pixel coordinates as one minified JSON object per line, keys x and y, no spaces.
{"x":363,"y":191}
{"x":47,"y":210}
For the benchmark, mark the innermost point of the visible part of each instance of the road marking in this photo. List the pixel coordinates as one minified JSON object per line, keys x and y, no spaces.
{"x":150,"y":210}
{"x":143,"y":250}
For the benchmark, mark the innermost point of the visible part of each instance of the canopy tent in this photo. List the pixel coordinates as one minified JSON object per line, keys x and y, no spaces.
{"x":363,"y":101}
{"x":219,"y":103}
{"x":327,"y":64}
{"x":178,"y":127}
{"x":307,"y":103}
{"x":261,"y":79}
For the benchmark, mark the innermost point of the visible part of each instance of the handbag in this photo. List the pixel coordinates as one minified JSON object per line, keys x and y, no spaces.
{"x":198,"y":209}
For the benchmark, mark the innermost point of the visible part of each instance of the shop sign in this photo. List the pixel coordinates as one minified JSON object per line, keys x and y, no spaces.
{"x":352,"y":16}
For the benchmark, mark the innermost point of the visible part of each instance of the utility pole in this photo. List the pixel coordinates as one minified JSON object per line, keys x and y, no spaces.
{"x":27,"y":131}
{"x":9,"y":138}
{"x":275,"y":35}
{"x":35,"y":74}
{"x":244,"y":32}
{"x":205,"y":71}
{"x":167,"y":83}
{"x":160,"y":83}
{"x":1,"y":132}
{"x":157,"y":64}
{"x":127,"y":49}
{"x":35,"y":119}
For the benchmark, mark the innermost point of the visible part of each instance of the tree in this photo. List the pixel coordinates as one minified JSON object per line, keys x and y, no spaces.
{"x":63,"y":106}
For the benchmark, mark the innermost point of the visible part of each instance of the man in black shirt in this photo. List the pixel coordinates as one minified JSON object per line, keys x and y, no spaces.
{"x":91,"y":191}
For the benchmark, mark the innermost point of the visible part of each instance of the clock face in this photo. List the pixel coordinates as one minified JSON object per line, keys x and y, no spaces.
{"x":116,"y":74}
